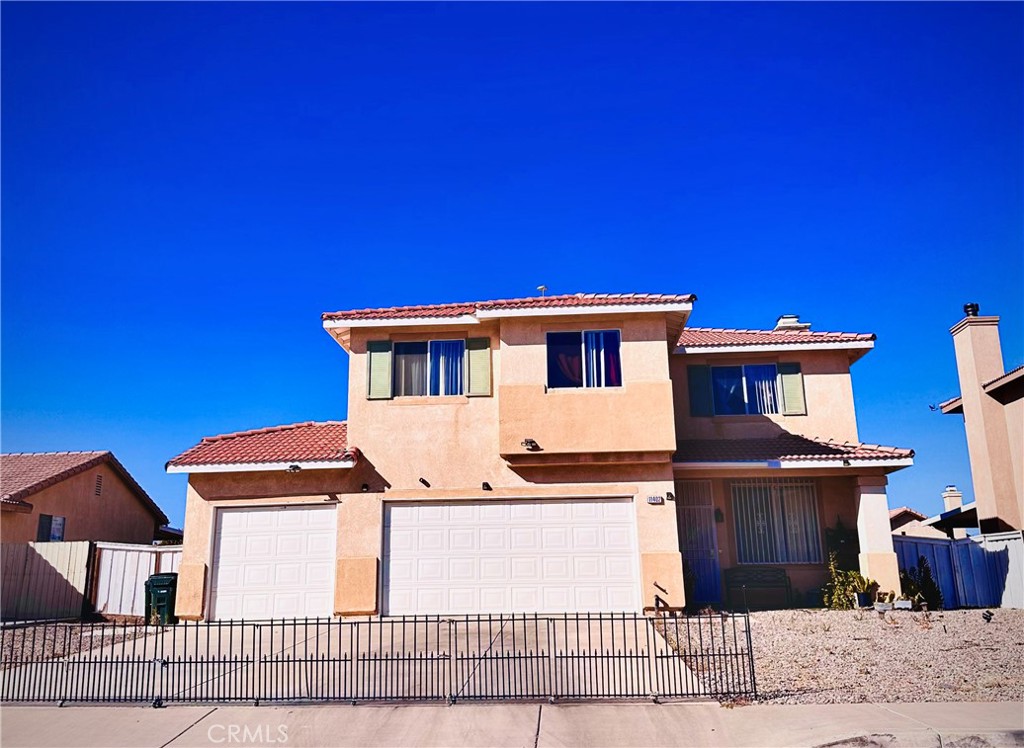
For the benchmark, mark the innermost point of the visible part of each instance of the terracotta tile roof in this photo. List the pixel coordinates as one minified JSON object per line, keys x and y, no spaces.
{"x":1003,"y":378}
{"x":781,"y":448}
{"x":894,"y":513}
{"x":23,"y":474}
{"x":531,"y":302}
{"x":707,"y":337}
{"x":310,"y":441}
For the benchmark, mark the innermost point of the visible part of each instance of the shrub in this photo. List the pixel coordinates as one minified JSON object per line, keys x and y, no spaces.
{"x":919,"y":584}
{"x":839,"y":591}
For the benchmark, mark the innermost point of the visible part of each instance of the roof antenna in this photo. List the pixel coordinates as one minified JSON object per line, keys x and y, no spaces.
{"x":543,"y":289}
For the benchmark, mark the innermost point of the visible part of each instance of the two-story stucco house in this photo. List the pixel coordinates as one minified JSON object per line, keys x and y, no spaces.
{"x":547,"y":454}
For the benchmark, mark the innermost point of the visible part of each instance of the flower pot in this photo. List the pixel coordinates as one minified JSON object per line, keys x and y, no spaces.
{"x":904,"y":605}
{"x":864,"y":599}
{"x":883,"y":607}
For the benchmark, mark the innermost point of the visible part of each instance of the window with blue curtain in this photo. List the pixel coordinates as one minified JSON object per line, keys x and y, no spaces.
{"x":739,"y":390}
{"x":447,"y":373}
{"x":410,"y":369}
{"x":584,"y":359}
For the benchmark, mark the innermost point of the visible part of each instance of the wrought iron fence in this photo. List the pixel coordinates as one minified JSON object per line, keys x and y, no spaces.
{"x":441,"y":659}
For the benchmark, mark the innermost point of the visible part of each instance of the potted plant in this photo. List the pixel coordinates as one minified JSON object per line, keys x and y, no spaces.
{"x":865,"y":590}
{"x":884,"y":601}
{"x":903,"y":603}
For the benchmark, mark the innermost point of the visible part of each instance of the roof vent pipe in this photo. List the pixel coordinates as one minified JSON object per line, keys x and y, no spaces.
{"x":971,"y":309}
{"x":791,"y":322}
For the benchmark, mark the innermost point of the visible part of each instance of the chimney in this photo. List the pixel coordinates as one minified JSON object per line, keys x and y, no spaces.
{"x":952,"y":498}
{"x":791,"y":322}
{"x":979,"y":360}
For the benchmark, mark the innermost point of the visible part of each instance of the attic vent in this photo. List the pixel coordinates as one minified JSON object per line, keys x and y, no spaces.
{"x":791,"y":322}
{"x":99,"y":485}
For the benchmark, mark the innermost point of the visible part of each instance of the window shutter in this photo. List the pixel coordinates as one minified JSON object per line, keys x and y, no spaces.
{"x":478,"y":362}
{"x":699,"y":382}
{"x":378,"y":370}
{"x":792,"y":386}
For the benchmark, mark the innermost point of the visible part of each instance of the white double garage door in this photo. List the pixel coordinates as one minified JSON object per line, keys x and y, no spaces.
{"x":550,"y":556}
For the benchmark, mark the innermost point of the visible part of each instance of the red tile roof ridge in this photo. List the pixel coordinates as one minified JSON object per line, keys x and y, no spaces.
{"x":1004,"y":374}
{"x":269,"y":430}
{"x":808,"y":333}
{"x":96,"y":452}
{"x":468,"y":307}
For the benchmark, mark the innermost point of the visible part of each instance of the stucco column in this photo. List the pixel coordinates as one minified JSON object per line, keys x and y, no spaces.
{"x":360,"y":529}
{"x":661,"y":561}
{"x":192,"y":573}
{"x":877,"y":557}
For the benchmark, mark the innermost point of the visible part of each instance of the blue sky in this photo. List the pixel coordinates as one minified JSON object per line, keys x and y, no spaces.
{"x":187,"y":186}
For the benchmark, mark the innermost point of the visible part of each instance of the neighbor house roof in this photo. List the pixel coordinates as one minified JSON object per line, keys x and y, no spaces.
{"x":310,"y":444}
{"x":23,"y":474}
{"x":700,"y":338}
{"x":469,"y":308}
{"x":894,"y":513}
{"x":785,"y":450}
{"x":1004,"y":388}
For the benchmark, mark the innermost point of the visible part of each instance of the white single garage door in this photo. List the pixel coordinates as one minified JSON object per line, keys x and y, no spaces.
{"x":274,"y":562}
{"x":548,"y":556}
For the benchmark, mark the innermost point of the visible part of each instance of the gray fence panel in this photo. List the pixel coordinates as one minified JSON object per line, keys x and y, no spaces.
{"x":940,"y":559}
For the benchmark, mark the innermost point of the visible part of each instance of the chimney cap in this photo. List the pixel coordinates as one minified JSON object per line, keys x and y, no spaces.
{"x":950,"y":488}
{"x":971,"y":309}
{"x":791,"y":322}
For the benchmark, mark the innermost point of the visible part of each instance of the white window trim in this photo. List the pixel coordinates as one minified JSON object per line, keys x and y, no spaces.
{"x":583,"y":358}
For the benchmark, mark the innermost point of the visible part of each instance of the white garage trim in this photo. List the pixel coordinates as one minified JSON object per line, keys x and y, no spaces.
{"x":274,"y":561}
{"x":510,"y":556}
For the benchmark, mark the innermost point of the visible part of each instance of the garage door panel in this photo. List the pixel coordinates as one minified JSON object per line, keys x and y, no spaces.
{"x":510,"y":556}
{"x":430,"y":570}
{"x":274,"y":562}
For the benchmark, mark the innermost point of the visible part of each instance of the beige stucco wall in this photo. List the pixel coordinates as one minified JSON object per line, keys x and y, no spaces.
{"x":828,"y":390}
{"x":1014,"y":413}
{"x":115,"y":516}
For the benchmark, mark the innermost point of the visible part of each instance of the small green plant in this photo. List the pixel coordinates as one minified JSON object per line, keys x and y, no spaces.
{"x":839,"y":592}
{"x":919,"y":585}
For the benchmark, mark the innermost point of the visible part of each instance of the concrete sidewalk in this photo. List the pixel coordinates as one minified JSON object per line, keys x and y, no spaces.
{"x":962,"y":725}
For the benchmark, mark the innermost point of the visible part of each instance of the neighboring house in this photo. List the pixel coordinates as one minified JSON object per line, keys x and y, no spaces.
{"x":907,"y":521}
{"x":547,"y":454}
{"x":50,"y":496}
{"x":992,"y":404}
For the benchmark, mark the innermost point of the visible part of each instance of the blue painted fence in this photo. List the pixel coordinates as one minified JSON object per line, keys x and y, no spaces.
{"x":981,"y":571}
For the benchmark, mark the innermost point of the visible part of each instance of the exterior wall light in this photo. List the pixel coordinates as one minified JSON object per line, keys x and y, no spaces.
{"x":531,"y":445}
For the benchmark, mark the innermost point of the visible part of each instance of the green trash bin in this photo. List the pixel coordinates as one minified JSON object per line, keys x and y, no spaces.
{"x":161,"y":590}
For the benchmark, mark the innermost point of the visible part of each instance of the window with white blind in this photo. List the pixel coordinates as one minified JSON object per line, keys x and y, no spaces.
{"x":776,"y":521}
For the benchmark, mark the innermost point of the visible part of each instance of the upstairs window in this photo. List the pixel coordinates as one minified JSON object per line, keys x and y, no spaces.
{"x":429,"y":368}
{"x":584,"y":359}
{"x":424,"y":368}
{"x":751,"y":389}
{"x":50,"y":528}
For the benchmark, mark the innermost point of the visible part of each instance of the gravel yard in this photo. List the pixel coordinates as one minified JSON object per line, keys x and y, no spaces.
{"x":45,"y":641}
{"x":829,"y":657}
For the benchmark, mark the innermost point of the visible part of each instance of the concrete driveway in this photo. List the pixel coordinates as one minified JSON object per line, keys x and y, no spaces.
{"x":388,"y":659}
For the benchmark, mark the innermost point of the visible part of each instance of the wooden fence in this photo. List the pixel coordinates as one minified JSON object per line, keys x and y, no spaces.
{"x":67,"y":579}
{"x":120,"y":572}
{"x":43,"y":580}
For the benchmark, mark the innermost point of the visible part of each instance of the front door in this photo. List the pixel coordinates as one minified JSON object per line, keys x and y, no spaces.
{"x":698,"y":538}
